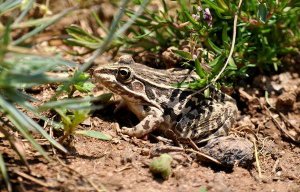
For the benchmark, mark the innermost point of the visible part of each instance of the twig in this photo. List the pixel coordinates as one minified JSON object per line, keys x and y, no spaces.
{"x":26,"y":176}
{"x":232,"y":44}
{"x":193,"y":144}
{"x":284,"y":130}
{"x":180,"y":149}
{"x":127,"y":166}
{"x":288,"y":122}
{"x":230,"y":52}
{"x":204,"y":155}
{"x":285,"y":119}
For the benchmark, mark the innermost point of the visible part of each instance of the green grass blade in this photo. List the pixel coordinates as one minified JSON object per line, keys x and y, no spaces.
{"x":9,"y":5}
{"x":26,"y":81}
{"x":74,"y":102}
{"x":38,"y":29}
{"x":214,"y":6}
{"x":4,"y":174}
{"x":106,"y":42}
{"x":28,"y":6}
{"x":99,"y":22}
{"x":23,"y":124}
{"x":214,"y":47}
{"x":113,"y":32}
{"x":29,"y":123}
{"x":132,"y":19}
{"x":17,"y":118}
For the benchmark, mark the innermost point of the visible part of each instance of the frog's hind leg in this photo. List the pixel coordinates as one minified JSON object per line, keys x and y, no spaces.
{"x":223,"y":129}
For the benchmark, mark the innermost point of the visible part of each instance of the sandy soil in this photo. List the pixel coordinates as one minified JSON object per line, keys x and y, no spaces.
{"x":122,"y":163}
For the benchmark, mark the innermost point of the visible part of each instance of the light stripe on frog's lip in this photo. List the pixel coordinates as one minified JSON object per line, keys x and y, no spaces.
{"x":164,"y":78}
{"x":110,"y":82}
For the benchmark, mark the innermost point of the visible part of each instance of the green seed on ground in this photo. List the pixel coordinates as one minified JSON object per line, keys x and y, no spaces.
{"x":161,"y":166}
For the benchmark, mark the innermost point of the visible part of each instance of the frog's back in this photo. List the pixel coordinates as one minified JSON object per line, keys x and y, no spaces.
{"x":192,"y":115}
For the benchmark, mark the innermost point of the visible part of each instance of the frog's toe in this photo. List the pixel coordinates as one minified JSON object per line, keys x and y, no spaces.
{"x":127,"y":131}
{"x":132,"y":132}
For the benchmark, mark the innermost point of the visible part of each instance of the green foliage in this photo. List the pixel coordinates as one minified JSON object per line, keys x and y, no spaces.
{"x":71,"y":119}
{"x":74,"y":111}
{"x":80,"y":81}
{"x":20,"y":72}
{"x":201,"y":32}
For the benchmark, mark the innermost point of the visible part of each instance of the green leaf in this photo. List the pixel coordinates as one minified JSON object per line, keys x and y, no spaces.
{"x":94,"y":134}
{"x":199,"y":70}
{"x":8,"y":5}
{"x":85,"y":87}
{"x":82,"y":36}
{"x":225,"y":37}
{"x":82,"y":83}
{"x":198,"y":84}
{"x":214,"y":6}
{"x":188,"y":15}
{"x":217,"y":64}
{"x":222,"y":4}
{"x":231,"y":64}
{"x":262,"y":12}
{"x":214,"y":47}
{"x":183,"y":54}
{"x":79,"y":117}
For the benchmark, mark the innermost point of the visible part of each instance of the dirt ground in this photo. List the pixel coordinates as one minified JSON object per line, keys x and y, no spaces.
{"x":122,"y":164}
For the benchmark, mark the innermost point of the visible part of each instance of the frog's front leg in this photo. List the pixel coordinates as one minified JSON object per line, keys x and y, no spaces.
{"x":152,"y":121}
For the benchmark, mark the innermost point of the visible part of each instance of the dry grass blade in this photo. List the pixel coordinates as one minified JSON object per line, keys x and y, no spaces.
{"x":15,"y":143}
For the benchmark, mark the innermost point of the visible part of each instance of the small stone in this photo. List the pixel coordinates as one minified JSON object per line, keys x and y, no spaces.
{"x":285,"y":101}
{"x":230,"y":150}
{"x":145,"y":152}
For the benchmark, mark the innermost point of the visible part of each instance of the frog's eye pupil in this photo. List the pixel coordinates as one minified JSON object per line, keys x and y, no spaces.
{"x":123,"y":74}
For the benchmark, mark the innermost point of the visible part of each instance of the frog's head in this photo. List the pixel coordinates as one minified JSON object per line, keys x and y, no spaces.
{"x":126,"y":79}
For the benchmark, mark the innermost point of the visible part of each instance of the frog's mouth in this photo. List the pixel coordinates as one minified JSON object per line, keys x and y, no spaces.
{"x":128,"y":95}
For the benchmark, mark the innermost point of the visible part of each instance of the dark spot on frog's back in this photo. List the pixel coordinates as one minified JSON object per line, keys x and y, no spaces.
{"x":170,"y":112}
{"x":184,"y":94}
{"x":191,"y":116}
{"x":191,"y":104}
{"x":149,"y":92}
{"x":174,"y":94}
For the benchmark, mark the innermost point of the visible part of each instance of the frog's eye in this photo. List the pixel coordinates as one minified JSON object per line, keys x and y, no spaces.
{"x":123,"y":74}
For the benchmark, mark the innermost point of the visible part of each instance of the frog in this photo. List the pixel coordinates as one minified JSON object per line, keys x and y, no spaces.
{"x":160,"y":102}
